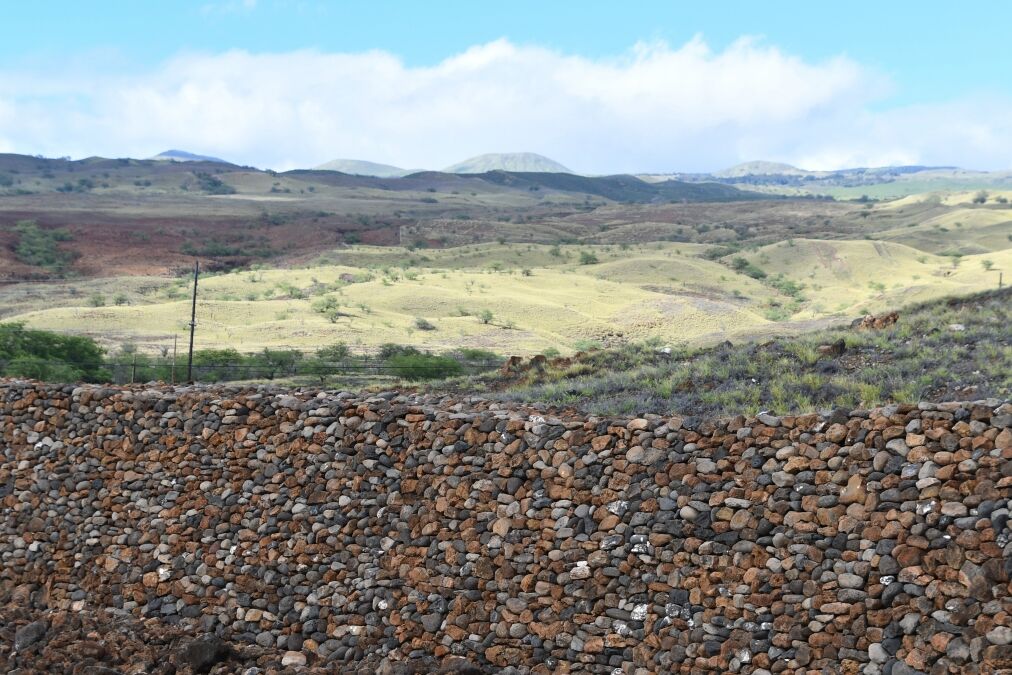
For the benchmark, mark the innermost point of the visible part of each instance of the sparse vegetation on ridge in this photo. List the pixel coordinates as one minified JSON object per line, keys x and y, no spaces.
{"x":958,"y":348}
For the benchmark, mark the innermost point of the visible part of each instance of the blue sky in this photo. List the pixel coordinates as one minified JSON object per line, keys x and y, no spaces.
{"x":934,"y":60}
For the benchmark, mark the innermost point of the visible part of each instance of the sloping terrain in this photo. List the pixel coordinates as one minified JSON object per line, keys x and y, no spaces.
{"x":955,"y":348}
{"x":380,"y":293}
{"x":887,"y":182}
{"x":855,"y":276}
{"x":184,"y":156}
{"x":524,"y":162}
{"x":128,"y":216}
{"x":363,"y":168}
{"x":760,"y":168}
{"x":537,"y":297}
{"x":509,"y":262}
{"x":617,"y":188}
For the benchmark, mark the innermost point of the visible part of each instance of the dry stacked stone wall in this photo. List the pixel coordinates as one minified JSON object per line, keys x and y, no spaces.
{"x":334,"y":527}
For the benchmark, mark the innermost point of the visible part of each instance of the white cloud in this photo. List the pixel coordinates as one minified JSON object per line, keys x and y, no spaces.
{"x":654,"y":108}
{"x":228,"y":7}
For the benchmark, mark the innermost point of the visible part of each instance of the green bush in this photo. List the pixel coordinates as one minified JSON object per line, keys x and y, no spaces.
{"x":41,"y":247}
{"x":335,"y":352}
{"x":424,"y":324}
{"x":424,"y":366}
{"x":215,"y":365}
{"x":212,"y":185}
{"x":473,"y":354}
{"x":271,"y":363}
{"x":588,"y":258}
{"x":389,"y":350}
{"x":45,"y":355}
{"x":743,"y":266}
{"x":329,"y":307}
{"x":786,"y":286}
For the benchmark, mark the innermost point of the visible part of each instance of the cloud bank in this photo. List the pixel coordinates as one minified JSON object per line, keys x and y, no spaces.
{"x":653,"y":108}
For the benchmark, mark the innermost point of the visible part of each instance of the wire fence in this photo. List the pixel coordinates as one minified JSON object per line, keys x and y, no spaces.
{"x":145,"y":369}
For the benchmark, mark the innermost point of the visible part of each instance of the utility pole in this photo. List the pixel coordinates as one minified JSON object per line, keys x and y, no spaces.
{"x":193,"y":322}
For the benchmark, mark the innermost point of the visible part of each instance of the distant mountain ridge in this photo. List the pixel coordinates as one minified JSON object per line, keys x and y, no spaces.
{"x":760,"y":168}
{"x":184,"y":156}
{"x":361,"y":167}
{"x":519,"y":162}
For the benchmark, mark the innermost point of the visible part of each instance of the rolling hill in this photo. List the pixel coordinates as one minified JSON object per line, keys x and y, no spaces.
{"x":760,"y":168}
{"x":183,"y":156}
{"x":521,"y":162}
{"x":621,"y":188}
{"x":360,"y":167}
{"x":539,"y":296}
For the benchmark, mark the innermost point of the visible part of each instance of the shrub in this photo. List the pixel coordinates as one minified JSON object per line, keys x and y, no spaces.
{"x":473,"y":354}
{"x":45,"y":355}
{"x":212,"y":185}
{"x":273,"y":362}
{"x":41,"y":247}
{"x":588,"y":258}
{"x":388,"y":350}
{"x":786,"y":286}
{"x":329,"y":307}
{"x":424,"y":366}
{"x":215,"y":365}
{"x":96,"y":300}
{"x":335,"y":352}
{"x":486,"y":316}
{"x":743,"y":266}
{"x":424,"y":324}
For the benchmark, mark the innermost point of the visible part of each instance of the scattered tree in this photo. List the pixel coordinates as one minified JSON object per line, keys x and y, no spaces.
{"x":424,"y":324}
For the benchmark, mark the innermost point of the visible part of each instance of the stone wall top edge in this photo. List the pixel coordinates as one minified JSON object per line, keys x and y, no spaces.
{"x":451,"y":406}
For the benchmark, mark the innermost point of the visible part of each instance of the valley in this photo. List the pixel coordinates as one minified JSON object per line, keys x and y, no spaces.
{"x":517,"y":263}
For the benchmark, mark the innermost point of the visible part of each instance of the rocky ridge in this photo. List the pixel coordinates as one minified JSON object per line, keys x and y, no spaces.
{"x":331,"y":532}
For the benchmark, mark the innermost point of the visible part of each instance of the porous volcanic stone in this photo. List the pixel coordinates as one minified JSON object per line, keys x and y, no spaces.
{"x":334,"y":532}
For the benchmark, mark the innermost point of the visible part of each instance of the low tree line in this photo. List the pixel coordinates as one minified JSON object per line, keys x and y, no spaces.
{"x":45,"y":355}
